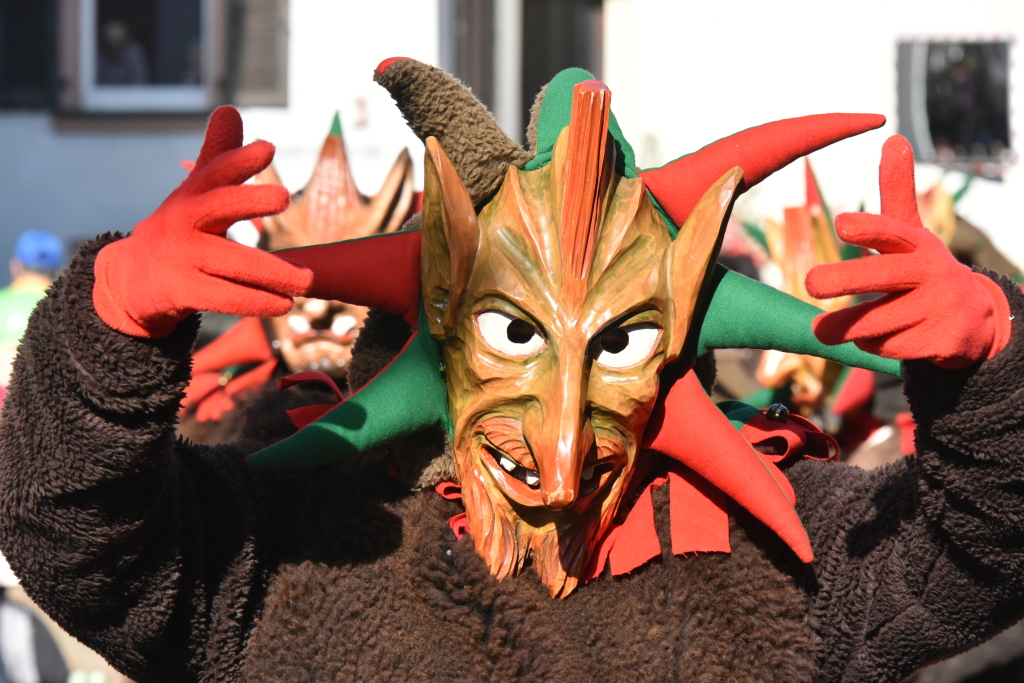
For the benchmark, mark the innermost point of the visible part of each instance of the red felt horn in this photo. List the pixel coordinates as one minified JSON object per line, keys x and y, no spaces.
{"x":761,"y":151}
{"x":382,"y":271}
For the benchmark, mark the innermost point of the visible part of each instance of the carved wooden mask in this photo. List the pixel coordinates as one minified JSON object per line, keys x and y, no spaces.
{"x":557,"y":306}
{"x":317,"y":334}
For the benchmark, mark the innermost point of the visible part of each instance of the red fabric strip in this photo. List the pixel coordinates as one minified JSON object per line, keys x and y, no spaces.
{"x":699,"y":514}
{"x":856,"y":391}
{"x":449,"y":490}
{"x":307,"y":415}
{"x":636,"y":542}
{"x":459,"y":525}
{"x":202,"y":385}
{"x":801,"y":435}
{"x":311,"y":376}
{"x":252,"y":380}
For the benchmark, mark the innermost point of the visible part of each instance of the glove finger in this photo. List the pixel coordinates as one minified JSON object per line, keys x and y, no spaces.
{"x":891,"y":313}
{"x":215,"y":211}
{"x":881,"y":233}
{"x":896,"y":181}
{"x":233,"y":167}
{"x":906,"y":344}
{"x":222,"y":296}
{"x":867,"y":275}
{"x":253,"y":268}
{"x":223,"y":133}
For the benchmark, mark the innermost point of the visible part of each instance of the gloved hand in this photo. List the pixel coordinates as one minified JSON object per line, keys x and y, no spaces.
{"x":935,"y":308}
{"x":177,"y":261}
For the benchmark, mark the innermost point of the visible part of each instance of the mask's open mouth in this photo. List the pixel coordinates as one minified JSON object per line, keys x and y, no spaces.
{"x":522,"y":484}
{"x":513,"y":468}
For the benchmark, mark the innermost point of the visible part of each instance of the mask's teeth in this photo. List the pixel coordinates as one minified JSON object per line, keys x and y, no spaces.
{"x":506,"y":464}
{"x":298,"y":325}
{"x":532,"y":479}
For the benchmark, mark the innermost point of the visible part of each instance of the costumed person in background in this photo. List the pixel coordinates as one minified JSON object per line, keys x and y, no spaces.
{"x":549,"y":397}
{"x":37,"y":256}
{"x":877,"y":427}
{"x":231,"y":372}
{"x":864,"y":409}
{"x":966,"y":241}
{"x":805,"y":239}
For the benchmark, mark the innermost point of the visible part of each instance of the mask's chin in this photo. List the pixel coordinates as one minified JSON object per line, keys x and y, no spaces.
{"x":509,"y":523}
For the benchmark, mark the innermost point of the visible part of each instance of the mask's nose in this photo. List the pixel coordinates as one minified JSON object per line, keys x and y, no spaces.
{"x":560,"y":437}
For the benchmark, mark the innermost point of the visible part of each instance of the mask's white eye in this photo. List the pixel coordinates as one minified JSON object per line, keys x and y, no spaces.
{"x":624,"y":347}
{"x":508,"y":335}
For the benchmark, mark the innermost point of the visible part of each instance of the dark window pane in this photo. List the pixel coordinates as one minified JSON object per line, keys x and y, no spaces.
{"x":558,"y":34}
{"x":26,"y":52}
{"x":953,"y":103}
{"x":148,"y":41}
{"x":968,"y":99}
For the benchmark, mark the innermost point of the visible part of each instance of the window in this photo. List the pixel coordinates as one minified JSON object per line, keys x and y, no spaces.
{"x":146,"y":55}
{"x":954,"y":103}
{"x":161,"y":56}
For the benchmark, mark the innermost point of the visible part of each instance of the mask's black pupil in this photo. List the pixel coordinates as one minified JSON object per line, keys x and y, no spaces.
{"x":615,"y":341}
{"x":520,"y":331}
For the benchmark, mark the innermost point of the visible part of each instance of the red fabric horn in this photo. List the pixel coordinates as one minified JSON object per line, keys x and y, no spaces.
{"x":761,"y":151}
{"x":382,"y":271}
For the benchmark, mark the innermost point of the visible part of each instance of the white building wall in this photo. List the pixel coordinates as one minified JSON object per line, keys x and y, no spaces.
{"x":77,"y":183}
{"x":334,"y":47}
{"x":684,"y":74}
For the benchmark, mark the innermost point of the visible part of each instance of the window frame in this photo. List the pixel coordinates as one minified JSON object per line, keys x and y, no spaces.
{"x":148,"y":98}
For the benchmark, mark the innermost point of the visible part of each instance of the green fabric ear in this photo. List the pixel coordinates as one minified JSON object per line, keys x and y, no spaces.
{"x":745,"y":314}
{"x":737,"y":412}
{"x":555,"y":113}
{"x":408,"y":396}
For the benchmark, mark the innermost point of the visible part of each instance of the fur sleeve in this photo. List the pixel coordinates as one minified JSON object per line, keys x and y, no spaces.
{"x":925,"y":557}
{"x":140,"y":545}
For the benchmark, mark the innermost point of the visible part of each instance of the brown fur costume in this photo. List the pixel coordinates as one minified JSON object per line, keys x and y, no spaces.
{"x":179,"y":563}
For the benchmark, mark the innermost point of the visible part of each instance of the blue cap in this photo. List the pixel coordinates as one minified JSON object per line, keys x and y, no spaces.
{"x":41,"y":250}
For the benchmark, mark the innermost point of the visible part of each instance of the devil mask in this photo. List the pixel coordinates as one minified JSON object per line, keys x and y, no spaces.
{"x":556,"y":308}
{"x":318,"y":334}
{"x":547,"y":292}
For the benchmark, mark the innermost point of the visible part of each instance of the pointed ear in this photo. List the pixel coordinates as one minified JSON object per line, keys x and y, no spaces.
{"x":450,"y":239}
{"x":692,"y":254}
{"x":390,"y":207}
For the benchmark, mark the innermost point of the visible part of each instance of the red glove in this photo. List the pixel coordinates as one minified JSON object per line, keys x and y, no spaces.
{"x":935,"y":307}
{"x":177,"y":261}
